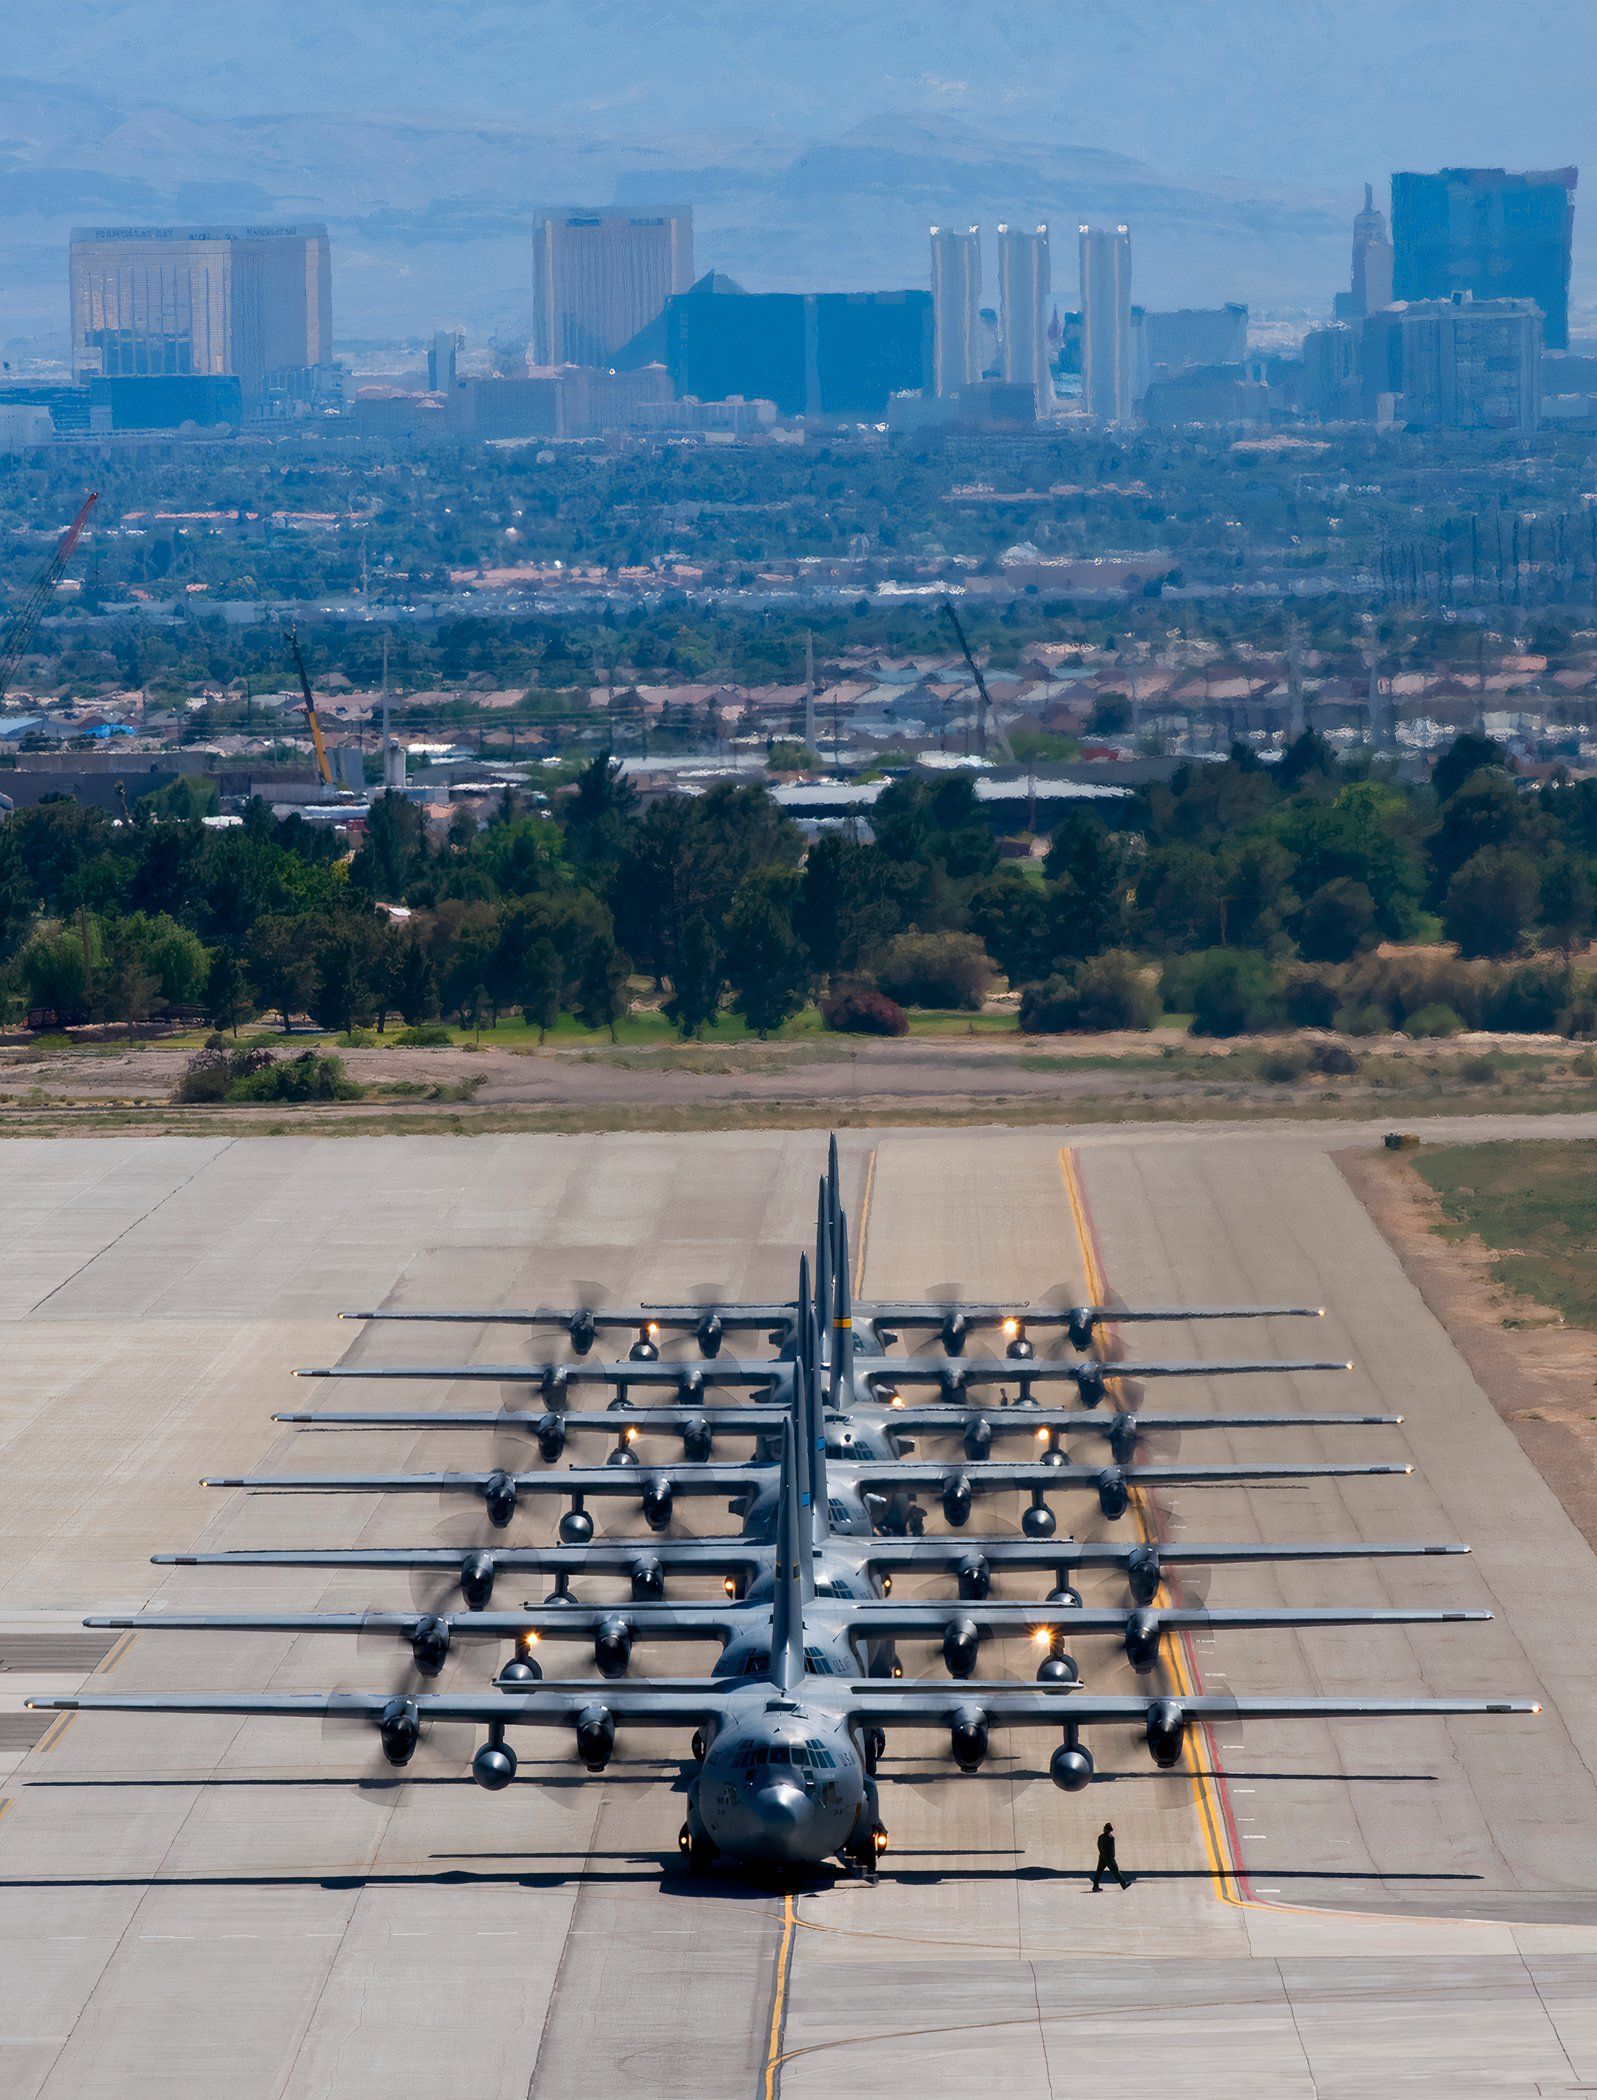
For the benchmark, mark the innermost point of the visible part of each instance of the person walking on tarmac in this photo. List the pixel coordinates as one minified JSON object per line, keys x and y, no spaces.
{"x":1107,"y":1862}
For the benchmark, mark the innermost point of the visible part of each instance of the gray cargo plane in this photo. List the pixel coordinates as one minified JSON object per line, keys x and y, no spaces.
{"x":850,"y":1562}
{"x":845,"y":1634}
{"x":879,"y":1320}
{"x":786,"y":1776}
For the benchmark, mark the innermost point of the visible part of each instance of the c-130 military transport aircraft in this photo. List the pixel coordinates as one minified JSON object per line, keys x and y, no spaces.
{"x":786,"y":1753}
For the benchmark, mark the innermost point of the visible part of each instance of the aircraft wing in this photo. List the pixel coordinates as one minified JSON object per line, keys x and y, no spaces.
{"x":765,"y":1370}
{"x":929,"y":1619}
{"x":992,"y":1476}
{"x":956,"y":1373}
{"x":933,"y":1555}
{"x":660,"y":1704}
{"x":879,"y":1702}
{"x":684,"y":1556}
{"x":650,"y":1621}
{"x":762,"y":1418}
{"x":749,"y":1314}
{"x":685,"y":1479}
{"x":942,"y":1420}
{"x":619,"y":1316}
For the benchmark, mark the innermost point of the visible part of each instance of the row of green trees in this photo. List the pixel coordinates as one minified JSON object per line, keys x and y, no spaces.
{"x":720,"y":897}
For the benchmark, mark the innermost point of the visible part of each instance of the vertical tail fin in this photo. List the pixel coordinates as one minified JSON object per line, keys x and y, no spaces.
{"x":823,"y":1273}
{"x":842,"y":1383}
{"x":834,"y":1178}
{"x":787,"y":1613}
{"x":812,"y":1419}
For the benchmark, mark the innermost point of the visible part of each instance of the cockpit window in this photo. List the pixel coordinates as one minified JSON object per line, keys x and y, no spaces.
{"x":813,"y":1757}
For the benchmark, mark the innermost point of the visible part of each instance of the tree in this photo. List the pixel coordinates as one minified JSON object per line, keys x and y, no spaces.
{"x":766,"y":962}
{"x":1464,"y":756}
{"x":53,"y":973}
{"x":1491,"y":901}
{"x":540,"y":986}
{"x":1090,"y":865}
{"x":16,"y":897}
{"x":1567,"y":901}
{"x":601,"y":983}
{"x":226,"y":996}
{"x":1336,"y":921}
{"x":1232,"y":992}
{"x":1012,"y":918}
{"x":948,"y":970}
{"x":282,"y":965}
{"x":844,"y":909}
{"x":597,"y":815}
{"x":1178,"y":895}
{"x":1486,"y":810}
{"x":696,"y":980}
{"x":417,"y":994}
{"x":125,"y":987}
{"x":395,"y":846}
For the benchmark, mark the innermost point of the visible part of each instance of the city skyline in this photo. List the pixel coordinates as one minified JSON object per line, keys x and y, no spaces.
{"x":430,"y":172}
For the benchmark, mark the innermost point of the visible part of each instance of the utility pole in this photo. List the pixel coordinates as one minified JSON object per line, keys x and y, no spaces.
{"x":809,"y":691}
{"x":1296,"y":718}
{"x":387,"y":770}
{"x":1381,"y":729}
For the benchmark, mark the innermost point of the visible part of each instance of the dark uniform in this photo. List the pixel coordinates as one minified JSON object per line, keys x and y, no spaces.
{"x":1107,"y":1862}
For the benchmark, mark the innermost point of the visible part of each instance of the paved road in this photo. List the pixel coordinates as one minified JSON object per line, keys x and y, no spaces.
{"x":188,"y":1909}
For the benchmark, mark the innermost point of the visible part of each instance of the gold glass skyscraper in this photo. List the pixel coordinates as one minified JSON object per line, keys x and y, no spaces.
{"x":255,"y":301}
{"x":599,"y":277}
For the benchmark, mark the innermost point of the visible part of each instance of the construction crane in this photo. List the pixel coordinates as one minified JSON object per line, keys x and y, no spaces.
{"x":18,"y":632}
{"x":311,"y":716}
{"x":986,"y":713}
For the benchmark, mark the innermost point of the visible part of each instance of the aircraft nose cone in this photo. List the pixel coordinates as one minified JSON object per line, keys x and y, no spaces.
{"x":785,"y":1813}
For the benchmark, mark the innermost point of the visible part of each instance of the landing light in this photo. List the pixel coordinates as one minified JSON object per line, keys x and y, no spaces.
{"x":629,"y":1436}
{"x":898,"y":1669}
{"x":1011,"y":1329}
{"x":887,"y":1585}
{"x":879,"y":1839}
{"x":651,"y":1328}
{"x":895,"y":1398}
{"x":1042,"y":1635}
{"x":527,"y":1640}
{"x":1043,"y":1435}
{"x":729,"y":1586}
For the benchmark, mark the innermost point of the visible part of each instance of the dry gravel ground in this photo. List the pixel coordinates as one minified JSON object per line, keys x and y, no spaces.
{"x":850,"y":1079}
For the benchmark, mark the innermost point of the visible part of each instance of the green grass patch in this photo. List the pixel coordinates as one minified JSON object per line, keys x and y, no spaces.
{"x":1533,"y":1204}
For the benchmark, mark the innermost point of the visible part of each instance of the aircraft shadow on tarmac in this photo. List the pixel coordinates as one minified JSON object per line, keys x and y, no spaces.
{"x":664,"y":1873}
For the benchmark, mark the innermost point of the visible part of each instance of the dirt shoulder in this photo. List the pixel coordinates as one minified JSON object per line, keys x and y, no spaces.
{"x":1538,"y":1373}
{"x":826,"y":1080}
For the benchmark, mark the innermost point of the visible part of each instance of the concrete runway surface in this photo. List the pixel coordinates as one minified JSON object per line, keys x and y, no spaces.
{"x":192,"y":1909}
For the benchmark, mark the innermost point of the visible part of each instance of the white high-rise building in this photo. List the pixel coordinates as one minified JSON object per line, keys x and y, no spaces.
{"x":956,"y":308}
{"x":1106,"y":346}
{"x":1023,"y":287}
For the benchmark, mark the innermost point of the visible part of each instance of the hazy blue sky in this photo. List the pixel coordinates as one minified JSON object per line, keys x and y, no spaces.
{"x":815,"y":142}
{"x":1295,"y":91}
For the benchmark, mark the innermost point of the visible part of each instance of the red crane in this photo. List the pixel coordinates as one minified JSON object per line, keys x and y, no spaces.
{"x":18,"y":632}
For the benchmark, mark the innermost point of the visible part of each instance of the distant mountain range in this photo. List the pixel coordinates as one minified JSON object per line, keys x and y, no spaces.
{"x":430,"y":132}
{"x":431,"y":220}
